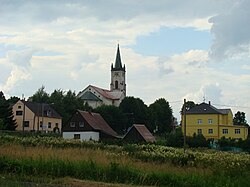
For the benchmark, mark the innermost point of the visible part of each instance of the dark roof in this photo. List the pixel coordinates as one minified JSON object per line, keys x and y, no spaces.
{"x":107,"y":93}
{"x":90,"y":96}
{"x":205,"y":108}
{"x":42,"y":109}
{"x":96,"y":121}
{"x":118,"y":62}
{"x":143,"y":131}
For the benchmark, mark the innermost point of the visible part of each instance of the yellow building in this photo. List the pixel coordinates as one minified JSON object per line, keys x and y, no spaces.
{"x":31,"y":116}
{"x":213,"y":123}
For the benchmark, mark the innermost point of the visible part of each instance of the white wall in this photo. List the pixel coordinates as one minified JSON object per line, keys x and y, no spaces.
{"x":86,"y":136}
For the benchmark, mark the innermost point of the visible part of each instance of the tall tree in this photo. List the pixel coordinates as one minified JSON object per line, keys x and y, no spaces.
{"x":189,"y":105}
{"x":134,"y":108}
{"x":240,"y":119}
{"x":161,"y":116}
{"x":41,"y":96}
{"x":7,"y":121}
{"x":113,"y":116}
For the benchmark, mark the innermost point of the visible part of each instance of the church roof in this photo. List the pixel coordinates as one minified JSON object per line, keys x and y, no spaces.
{"x":107,"y":93}
{"x":90,"y":96}
{"x":118,"y":62}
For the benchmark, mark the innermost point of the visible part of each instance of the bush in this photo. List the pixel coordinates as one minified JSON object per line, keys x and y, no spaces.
{"x":197,"y":141}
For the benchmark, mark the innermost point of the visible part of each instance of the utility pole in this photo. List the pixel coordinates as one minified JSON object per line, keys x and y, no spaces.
{"x":184,"y":123}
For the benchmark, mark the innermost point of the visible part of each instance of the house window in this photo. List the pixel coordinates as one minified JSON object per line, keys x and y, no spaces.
{"x":19,"y":106}
{"x":48,"y":113}
{"x":81,"y":124}
{"x":26,"y":124}
{"x":237,"y":131}
{"x":116,"y":84}
{"x":210,"y":131}
{"x":77,"y":136}
{"x":41,"y":124}
{"x":49,"y":124}
{"x":210,"y":121}
{"x":199,"y":131}
{"x":72,"y":124}
{"x":199,"y":121}
{"x":19,"y":113}
{"x":224,"y":131}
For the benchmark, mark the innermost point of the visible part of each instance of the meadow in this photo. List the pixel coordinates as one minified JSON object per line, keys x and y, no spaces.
{"x":45,"y":158}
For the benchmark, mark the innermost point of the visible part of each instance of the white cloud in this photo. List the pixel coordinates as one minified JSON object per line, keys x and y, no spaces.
{"x":231,"y":32}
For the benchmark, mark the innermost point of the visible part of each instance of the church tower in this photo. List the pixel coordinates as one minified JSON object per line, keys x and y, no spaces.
{"x":118,"y":75}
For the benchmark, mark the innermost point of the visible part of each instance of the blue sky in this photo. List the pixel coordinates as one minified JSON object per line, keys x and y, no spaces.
{"x":172,"y":49}
{"x":169,"y":41}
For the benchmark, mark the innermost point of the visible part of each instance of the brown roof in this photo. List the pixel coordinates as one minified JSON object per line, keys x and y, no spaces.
{"x":105,"y":93}
{"x":40,"y":109}
{"x":96,"y":121}
{"x":143,"y":131}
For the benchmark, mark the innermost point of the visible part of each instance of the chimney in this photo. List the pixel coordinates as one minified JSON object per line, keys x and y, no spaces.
{"x":209,"y":103}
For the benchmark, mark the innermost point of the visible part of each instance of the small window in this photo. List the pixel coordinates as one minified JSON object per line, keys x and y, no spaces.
{"x":72,"y":124}
{"x":210,"y":121}
{"x":81,"y":124}
{"x":19,"y":113}
{"x":26,"y":124}
{"x":237,"y":131}
{"x":199,"y":121}
{"x":19,"y":106}
{"x":199,"y":131}
{"x":116,"y":84}
{"x":49,"y":125}
{"x":49,"y":113}
{"x":77,"y":136}
{"x":224,"y":131}
{"x":210,"y":131}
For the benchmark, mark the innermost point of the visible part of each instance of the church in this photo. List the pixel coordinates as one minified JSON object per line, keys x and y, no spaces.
{"x":96,"y":96}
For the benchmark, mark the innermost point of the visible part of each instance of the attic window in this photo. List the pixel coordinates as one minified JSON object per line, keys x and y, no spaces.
{"x":205,"y":109}
{"x":19,"y":106}
{"x":72,"y":124}
{"x":89,"y":88}
{"x":81,"y":124}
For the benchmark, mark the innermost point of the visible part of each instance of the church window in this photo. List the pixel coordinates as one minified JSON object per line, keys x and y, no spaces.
{"x":116,"y":84}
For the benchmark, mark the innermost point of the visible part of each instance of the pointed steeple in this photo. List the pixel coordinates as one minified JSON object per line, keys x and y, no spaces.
{"x":118,"y":62}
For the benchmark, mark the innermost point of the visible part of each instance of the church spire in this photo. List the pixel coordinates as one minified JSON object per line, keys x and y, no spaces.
{"x":118,"y":62}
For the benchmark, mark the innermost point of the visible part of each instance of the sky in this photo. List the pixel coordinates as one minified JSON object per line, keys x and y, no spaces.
{"x":172,"y":49}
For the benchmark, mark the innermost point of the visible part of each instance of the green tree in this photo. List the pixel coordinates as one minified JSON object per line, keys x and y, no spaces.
{"x":240,"y":119}
{"x":41,"y":96}
{"x":7,"y":121}
{"x":189,"y":105}
{"x":161,"y":116}
{"x":13,"y":100}
{"x":113,"y":116}
{"x":134,"y":110}
{"x":197,"y":141}
{"x":175,"y":139}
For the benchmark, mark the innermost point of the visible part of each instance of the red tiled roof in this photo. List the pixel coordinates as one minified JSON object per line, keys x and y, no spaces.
{"x":96,"y":121}
{"x":105,"y":93}
{"x":144,"y":132}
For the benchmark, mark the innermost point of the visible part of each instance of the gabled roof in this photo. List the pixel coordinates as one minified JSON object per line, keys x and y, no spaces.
{"x":90,"y":96}
{"x":205,"y":108}
{"x":118,"y":62}
{"x":96,"y":121}
{"x":143,"y":131}
{"x":107,"y":93}
{"x":40,"y":109}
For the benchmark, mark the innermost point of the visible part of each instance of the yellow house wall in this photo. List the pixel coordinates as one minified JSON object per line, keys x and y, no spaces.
{"x":34,"y":121}
{"x":218,"y":123}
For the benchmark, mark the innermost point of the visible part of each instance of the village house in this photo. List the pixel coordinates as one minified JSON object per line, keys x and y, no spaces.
{"x":212,"y":123}
{"x":96,"y":96}
{"x":31,"y":116}
{"x":86,"y":126}
{"x":139,"y":133}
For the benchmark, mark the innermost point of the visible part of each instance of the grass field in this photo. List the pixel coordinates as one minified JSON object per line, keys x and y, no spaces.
{"x":54,"y":161}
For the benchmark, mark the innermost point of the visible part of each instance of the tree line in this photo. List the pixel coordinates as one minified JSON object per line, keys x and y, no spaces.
{"x":158,"y":116}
